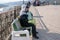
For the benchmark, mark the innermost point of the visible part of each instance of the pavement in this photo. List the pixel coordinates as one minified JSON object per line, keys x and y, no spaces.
{"x":47,"y":21}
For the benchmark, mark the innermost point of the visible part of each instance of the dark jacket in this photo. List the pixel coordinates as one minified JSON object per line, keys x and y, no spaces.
{"x":23,"y":20}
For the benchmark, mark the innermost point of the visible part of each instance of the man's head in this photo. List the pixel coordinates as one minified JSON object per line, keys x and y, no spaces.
{"x":27,"y":9}
{"x":29,"y":4}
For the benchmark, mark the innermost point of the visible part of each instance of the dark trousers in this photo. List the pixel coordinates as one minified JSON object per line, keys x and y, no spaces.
{"x":33,"y":28}
{"x":30,"y":25}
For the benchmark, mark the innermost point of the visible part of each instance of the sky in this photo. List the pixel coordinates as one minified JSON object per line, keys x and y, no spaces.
{"x":7,"y":1}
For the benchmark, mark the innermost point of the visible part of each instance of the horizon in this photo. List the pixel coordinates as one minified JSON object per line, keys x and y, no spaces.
{"x":7,"y":1}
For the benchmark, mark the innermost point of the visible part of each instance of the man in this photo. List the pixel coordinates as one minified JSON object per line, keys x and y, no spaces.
{"x":24,"y":21}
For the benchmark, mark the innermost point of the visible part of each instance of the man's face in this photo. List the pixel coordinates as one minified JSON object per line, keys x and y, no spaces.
{"x":27,"y":9}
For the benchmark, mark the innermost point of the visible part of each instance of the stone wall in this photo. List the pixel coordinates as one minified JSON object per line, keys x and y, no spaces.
{"x":6,"y":19}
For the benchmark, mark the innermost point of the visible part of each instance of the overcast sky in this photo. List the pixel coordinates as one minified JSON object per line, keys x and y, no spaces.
{"x":7,"y":1}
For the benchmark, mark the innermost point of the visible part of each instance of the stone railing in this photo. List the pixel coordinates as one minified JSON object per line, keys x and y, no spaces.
{"x":6,"y":19}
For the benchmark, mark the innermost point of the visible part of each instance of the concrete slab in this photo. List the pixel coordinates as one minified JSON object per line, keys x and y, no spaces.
{"x":47,"y":22}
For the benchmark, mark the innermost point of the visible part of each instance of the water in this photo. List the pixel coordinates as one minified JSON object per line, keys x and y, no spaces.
{"x":8,"y":6}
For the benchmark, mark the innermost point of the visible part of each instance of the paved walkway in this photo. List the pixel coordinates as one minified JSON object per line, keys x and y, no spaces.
{"x":47,"y":22}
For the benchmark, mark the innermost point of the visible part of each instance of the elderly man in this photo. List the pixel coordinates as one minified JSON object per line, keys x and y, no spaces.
{"x":24,"y":18}
{"x":22,"y":9}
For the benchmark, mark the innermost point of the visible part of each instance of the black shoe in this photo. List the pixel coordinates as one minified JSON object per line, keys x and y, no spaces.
{"x":36,"y":37}
{"x":36,"y":32}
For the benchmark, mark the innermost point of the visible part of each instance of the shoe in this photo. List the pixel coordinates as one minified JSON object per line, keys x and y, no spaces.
{"x":36,"y":37}
{"x":36,"y":32}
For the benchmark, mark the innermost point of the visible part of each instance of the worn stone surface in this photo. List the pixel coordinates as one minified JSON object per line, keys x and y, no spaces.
{"x":47,"y":22}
